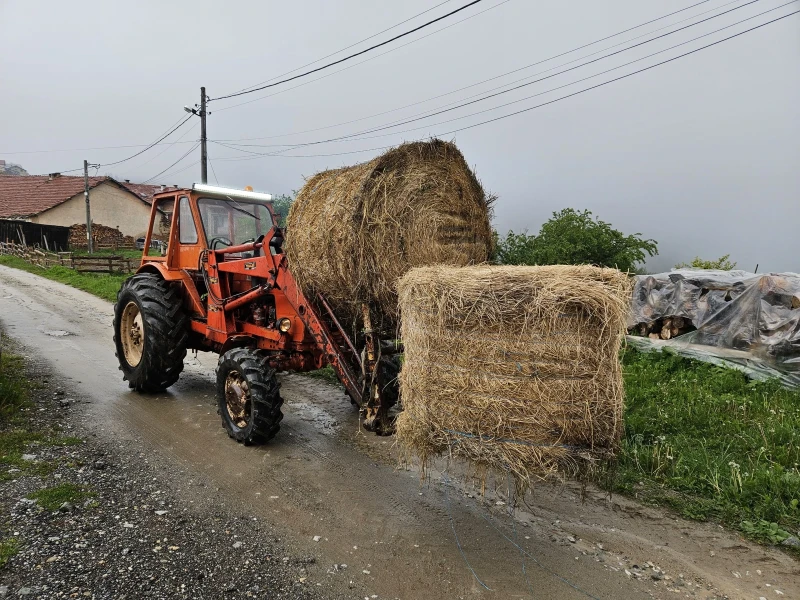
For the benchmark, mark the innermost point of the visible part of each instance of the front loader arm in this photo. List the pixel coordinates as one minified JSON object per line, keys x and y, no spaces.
{"x":341,"y":358}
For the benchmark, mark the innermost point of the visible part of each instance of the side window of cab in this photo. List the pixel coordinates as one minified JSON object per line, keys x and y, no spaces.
{"x":188,"y":230}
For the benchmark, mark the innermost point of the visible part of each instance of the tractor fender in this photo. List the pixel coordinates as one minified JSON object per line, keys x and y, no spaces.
{"x":158,"y":268}
{"x":237,"y":341}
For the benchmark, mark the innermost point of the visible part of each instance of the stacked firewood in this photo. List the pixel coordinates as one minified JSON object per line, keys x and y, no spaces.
{"x":665,"y":329}
{"x":101,"y":236}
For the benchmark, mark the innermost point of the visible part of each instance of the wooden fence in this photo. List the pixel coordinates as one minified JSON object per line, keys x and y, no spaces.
{"x":51,"y":237}
{"x":98,"y":263}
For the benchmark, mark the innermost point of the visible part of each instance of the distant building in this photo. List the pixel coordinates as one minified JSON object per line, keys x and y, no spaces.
{"x":57,"y":199}
{"x":7,"y":168}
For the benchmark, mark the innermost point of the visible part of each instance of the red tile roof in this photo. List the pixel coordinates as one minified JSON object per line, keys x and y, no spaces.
{"x":25,"y":196}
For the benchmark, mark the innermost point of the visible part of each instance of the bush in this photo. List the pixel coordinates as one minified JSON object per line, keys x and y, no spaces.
{"x":571,"y":237}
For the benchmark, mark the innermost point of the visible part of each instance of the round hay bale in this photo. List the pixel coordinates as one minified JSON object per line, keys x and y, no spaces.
{"x":352,"y":232}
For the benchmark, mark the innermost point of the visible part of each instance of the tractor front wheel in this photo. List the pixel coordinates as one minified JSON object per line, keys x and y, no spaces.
{"x":248,"y":397}
{"x":150,"y":332}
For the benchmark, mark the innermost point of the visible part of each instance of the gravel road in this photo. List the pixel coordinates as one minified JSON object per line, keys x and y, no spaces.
{"x":322,"y":511}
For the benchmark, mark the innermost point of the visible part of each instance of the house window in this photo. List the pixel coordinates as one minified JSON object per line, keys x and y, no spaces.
{"x":188,"y":231}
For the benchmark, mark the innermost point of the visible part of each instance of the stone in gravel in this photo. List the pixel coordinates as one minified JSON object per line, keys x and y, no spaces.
{"x":317,"y":538}
{"x":656,"y":576}
{"x":28,"y":458}
{"x":66,"y":507}
{"x":161,"y":513}
{"x":3,"y":590}
{"x":571,"y":540}
{"x":237,"y":544}
{"x":792,"y":541}
{"x":24,"y":591}
{"x":99,"y":465}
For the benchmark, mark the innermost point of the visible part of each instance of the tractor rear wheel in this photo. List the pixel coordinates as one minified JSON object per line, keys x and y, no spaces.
{"x":150,"y":332}
{"x":248,"y":396}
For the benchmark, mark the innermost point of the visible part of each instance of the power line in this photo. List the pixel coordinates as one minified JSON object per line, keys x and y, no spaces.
{"x":359,"y":53}
{"x":168,"y":147}
{"x":85,"y":149}
{"x":162,"y":138}
{"x":212,"y":170}
{"x":373,"y":57}
{"x":187,"y":153}
{"x":350,"y":46}
{"x":479,"y":82}
{"x":550,"y":101}
{"x":189,"y":166}
{"x":462,"y":105}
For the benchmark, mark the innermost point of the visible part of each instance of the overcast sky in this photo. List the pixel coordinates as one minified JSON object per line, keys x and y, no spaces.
{"x":701,"y":154}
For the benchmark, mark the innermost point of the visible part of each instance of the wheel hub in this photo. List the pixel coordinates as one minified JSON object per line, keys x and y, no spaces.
{"x":131,"y":331}
{"x":237,"y":399}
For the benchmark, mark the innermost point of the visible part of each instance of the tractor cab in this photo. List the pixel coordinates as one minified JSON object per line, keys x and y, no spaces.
{"x":205,"y":217}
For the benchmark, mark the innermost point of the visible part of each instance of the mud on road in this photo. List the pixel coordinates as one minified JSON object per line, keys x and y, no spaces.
{"x":336,"y":494}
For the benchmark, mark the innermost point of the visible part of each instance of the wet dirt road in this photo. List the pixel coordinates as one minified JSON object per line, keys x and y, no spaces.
{"x":399,"y":538}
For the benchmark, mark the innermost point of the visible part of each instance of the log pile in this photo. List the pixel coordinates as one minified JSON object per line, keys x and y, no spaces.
{"x":726,"y":309}
{"x":665,"y":329}
{"x":102,"y":237}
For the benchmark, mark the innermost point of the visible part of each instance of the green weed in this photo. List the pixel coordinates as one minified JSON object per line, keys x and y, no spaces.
{"x":710,"y":444}
{"x":52,"y":498}
{"x":326,"y":373}
{"x":8,"y":548}
{"x":13,"y":386}
{"x":99,"y":284}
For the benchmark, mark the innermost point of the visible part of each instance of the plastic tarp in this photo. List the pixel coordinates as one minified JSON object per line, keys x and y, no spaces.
{"x":757,"y":315}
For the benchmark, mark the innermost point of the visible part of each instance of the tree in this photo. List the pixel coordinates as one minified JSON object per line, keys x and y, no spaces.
{"x":514,"y":248}
{"x":282,"y":204}
{"x":574,"y":237}
{"x":722,"y":263}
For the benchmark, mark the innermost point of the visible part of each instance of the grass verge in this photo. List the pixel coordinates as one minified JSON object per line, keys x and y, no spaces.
{"x":101,"y":285}
{"x":53,"y":497}
{"x":13,"y":388}
{"x":8,"y":548}
{"x":711,"y":444}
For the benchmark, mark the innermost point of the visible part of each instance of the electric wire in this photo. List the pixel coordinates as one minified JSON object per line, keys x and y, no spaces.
{"x":481,"y":99}
{"x":348,"y":47}
{"x":346,"y":58}
{"x":373,"y":57}
{"x":161,"y":139}
{"x":187,"y":153}
{"x":170,"y":145}
{"x":210,"y":164}
{"x":497,"y":76}
{"x":495,"y":119}
{"x":179,"y":171}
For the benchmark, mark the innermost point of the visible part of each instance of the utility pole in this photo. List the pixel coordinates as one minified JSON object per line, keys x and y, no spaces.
{"x":203,"y":151}
{"x":88,"y":210}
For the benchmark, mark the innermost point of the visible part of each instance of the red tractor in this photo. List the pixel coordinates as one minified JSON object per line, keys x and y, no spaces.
{"x":223,"y":284}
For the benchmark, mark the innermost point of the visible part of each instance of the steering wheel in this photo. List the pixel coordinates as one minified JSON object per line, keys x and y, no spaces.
{"x":222,"y":240}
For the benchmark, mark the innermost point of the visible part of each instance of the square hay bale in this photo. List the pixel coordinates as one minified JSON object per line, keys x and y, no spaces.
{"x":515,"y":369}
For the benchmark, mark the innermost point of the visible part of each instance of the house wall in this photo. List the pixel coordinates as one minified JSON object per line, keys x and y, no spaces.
{"x":110,"y":206}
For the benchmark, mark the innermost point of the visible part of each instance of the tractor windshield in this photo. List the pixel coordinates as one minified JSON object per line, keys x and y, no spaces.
{"x":231,"y":222}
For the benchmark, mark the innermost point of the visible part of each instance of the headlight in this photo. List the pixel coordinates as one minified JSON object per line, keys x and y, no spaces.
{"x":284,"y":324}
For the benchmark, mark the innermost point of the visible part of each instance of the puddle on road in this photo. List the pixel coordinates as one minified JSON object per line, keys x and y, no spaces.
{"x":315,"y":415}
